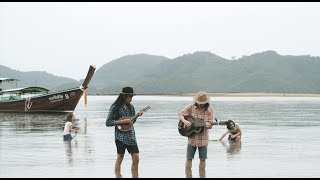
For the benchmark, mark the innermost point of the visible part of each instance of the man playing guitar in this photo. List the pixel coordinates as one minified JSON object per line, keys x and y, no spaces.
{"x":199,"y":110}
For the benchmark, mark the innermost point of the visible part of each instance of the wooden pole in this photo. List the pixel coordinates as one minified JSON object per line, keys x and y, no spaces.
{"x":89,"y":76}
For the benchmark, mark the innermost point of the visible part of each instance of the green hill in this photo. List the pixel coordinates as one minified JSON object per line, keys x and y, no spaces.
{"x":265,"y":72}
{"x":36,"y":78}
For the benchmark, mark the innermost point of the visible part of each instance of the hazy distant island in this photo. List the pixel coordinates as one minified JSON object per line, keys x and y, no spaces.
{"x":265,"y":73}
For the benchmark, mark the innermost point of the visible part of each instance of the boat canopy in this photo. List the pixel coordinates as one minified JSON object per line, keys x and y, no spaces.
{"x":8,"y":80}
{"x":31,"y":89}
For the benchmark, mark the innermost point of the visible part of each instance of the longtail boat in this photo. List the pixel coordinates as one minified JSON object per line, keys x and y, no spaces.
{"x":39,"y":99}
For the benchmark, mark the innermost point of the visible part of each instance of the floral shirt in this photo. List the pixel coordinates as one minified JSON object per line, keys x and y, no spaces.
{"x":202,"y":138}
{"x":127,"y":137}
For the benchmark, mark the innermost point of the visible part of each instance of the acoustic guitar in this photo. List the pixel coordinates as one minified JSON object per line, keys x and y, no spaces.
{"x":127,"y":127}
{"x":197,"y":126}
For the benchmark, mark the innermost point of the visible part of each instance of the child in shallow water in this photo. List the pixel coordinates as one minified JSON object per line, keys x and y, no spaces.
{"x":68,"y":128}
{"x":234,"y":131}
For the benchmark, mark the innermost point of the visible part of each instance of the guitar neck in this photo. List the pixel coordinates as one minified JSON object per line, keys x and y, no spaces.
{"x":219,"y":123}
{"x":202,"y":124}
{"x":134,"y":117}
{"x":137,"y":115}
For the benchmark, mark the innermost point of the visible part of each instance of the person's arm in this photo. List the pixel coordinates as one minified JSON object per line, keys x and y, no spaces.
{"x":223,"y":135}
{"x":183,"y":113}
{"x":140,"y":113}
{"x":224,"y":144}
{"x":70,"y":128}
{"x":113,"y":122}
{"x":181,"y":118}
{"x":110,"y":121}
{"x":210,"y":118}
{"x":238,"y":133}
{"x":123,"y":121}
{"x":74,"y":129}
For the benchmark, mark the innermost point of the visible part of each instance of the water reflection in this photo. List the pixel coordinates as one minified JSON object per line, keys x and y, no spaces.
{"x":85,"y":125}
{"x":33,"y":121}
{"x":88,"y":142}
{"x":69,"y":148}
{"x":233,"y":147}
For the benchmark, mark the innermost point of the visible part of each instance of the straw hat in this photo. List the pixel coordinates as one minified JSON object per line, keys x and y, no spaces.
{"x":201,"y":98}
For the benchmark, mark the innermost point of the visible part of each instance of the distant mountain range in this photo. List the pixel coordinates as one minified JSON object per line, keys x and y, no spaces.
{"x":36,"y":78}
{"x":265,"y":72}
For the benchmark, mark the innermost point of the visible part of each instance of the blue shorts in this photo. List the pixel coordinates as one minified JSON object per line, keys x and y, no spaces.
{"x":67,"y":137}
{"x":191,"y":150}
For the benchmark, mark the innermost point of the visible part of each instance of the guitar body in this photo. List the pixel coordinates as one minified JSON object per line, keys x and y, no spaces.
{"x":127,"y":127}
{"x":196,"y":127}
{"x":124,"y":127}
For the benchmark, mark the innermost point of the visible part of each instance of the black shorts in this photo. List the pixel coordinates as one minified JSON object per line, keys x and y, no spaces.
{"x":231,"y":139}
{"x":121,"y":147}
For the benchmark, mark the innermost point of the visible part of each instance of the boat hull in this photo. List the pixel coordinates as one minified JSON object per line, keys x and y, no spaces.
{"x":61,"y":101}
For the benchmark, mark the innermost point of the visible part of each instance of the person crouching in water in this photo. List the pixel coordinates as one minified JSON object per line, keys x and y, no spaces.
{"x":68,"y":128}
{"x":234,"y":131}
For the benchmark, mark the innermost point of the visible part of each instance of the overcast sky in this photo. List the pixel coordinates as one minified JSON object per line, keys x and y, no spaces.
{"x":64,"y":38}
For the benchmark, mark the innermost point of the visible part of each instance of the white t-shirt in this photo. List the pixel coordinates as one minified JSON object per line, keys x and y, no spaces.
{"x":67,"y":126}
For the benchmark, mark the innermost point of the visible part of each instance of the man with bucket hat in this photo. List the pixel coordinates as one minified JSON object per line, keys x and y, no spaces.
{"x":119,"y":114}
{"x":200,"y":109}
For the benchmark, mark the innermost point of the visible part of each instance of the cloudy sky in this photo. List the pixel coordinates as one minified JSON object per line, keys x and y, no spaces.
{"x":64,"y":38}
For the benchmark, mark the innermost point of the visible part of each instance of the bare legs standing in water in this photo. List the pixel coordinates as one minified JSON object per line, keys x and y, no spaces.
{"x":188,"y":168}
{"x":197,"y":140}
{"x":202,"y":168}
{"x":134,"y":166}
{"x":119,"y":114}
{"x":188,"y":173}
{"x":202,"y":172}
